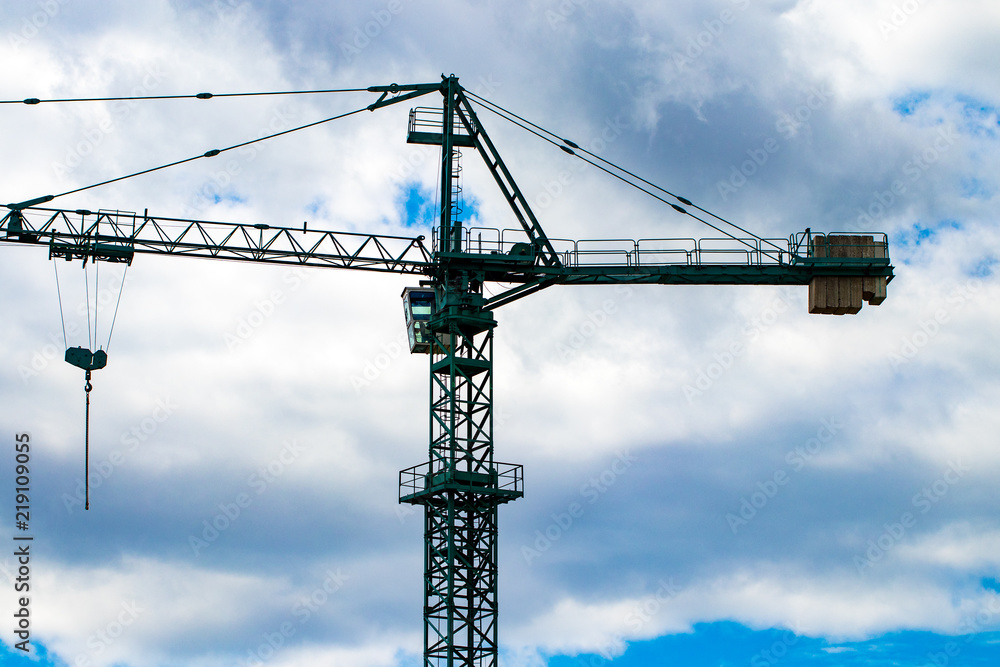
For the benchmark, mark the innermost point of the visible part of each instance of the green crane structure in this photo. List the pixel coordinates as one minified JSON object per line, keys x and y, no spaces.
{"x":461,"y":485}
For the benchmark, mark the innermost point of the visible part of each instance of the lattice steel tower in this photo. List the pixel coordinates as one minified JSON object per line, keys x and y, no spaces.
{"x":461,"y":485}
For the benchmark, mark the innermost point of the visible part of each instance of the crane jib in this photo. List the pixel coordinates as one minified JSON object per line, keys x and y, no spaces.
{"x":842,"y":270}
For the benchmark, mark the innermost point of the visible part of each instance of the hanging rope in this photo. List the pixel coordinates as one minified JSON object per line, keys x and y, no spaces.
{"x":97,"y":296}
{"x":86,"y":294}
{"x":114,"y":317}
{"x":88,"y":387}
{"x":62,"y":317}
{"x":86,"y":446}
{"x":86,"y":359}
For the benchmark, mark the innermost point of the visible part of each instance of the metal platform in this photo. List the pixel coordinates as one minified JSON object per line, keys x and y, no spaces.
{"x":504,"y":483}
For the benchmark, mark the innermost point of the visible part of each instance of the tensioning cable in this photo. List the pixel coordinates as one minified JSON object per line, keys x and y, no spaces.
{"x":198,"y":96}
{"x":211,"y":153}
{"x":576,"y":150}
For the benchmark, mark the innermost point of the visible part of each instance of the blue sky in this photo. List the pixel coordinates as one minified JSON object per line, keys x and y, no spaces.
{"x":757,"y":486}
{"x":732,"y":644}
{"x":725,"y":644}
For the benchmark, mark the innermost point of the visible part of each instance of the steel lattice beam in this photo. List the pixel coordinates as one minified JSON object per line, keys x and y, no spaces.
{"x":119,"y":235}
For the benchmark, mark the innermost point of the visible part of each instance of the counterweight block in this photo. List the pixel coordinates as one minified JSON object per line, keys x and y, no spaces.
{"x":844,"y":295}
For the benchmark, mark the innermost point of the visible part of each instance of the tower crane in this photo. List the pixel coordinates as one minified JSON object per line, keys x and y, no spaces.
{"x":450,"y":318}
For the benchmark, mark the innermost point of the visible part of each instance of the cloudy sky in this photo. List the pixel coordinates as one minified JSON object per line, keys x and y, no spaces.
{"x":827,"y":494}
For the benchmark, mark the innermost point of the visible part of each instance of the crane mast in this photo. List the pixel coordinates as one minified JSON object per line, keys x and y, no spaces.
{"x":461,"y":485}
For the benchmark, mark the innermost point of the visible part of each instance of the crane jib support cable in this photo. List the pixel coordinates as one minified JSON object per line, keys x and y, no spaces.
{"x":417,"y":91}
{"x":31,"y":101}
{"x":212,"y":153}
{"x":575,"y":150}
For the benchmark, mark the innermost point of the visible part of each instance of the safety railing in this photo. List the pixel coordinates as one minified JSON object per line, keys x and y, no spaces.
{"x":506,"y":479}
{"x":749,"y":251}
{"x":427,"y":122}
{"x":840,"y":246}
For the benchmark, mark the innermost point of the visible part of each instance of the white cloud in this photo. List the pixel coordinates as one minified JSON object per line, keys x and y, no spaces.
{"x":839,"y":607}
{"x":962,"y":546}
{"x":577,"y":380}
